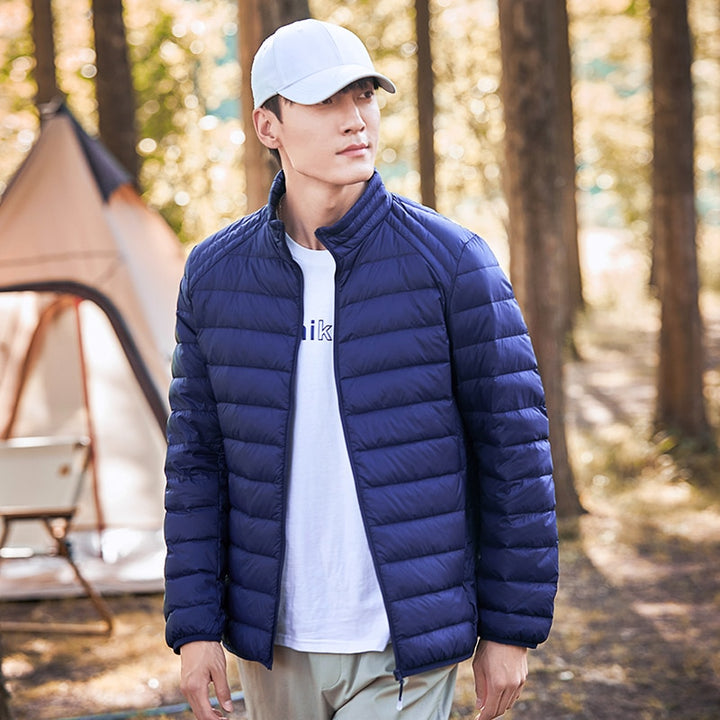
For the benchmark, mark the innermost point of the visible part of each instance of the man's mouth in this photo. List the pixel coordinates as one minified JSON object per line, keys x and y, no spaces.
{"x":354,"y":149}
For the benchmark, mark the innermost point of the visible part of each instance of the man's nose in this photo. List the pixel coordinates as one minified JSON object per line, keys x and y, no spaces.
{"x":352,"y":117}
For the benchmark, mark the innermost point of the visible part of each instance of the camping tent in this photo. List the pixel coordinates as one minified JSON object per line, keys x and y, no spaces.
{"x":88,"y":281}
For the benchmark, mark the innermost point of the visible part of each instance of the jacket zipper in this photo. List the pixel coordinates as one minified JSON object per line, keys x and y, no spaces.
{"x":286,"y":459}
{"x":397,"y":673}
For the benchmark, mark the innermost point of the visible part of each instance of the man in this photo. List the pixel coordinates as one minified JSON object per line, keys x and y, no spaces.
{"x":359,"y":491}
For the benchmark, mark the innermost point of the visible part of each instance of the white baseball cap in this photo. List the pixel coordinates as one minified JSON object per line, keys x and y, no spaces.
{"x":308,"y":61}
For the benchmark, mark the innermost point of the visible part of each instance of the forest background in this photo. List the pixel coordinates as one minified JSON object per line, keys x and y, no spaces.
{"x":191,"y":143}
{"x":187,"y":81}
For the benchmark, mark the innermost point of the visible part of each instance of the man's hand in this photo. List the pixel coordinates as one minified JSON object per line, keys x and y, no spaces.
{"x":202,"y":663}
{"x":500,"y":673}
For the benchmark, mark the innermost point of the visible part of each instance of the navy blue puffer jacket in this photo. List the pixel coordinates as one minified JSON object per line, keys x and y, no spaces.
{"x":444,"y":417}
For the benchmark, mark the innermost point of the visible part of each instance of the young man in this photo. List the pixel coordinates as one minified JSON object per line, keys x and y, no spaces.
{"x":359,"y":491}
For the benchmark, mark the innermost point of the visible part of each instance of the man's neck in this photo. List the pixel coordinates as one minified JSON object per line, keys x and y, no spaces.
{"x":305,"y":208}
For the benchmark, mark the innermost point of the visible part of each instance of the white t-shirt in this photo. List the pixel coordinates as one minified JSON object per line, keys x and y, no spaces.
{"x":330,"y":598}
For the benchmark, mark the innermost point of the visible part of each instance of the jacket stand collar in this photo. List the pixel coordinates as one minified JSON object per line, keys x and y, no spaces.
{"x":347,"y":233}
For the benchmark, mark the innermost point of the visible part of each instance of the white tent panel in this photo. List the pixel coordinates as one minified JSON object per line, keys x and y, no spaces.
{"x":130,"y":444}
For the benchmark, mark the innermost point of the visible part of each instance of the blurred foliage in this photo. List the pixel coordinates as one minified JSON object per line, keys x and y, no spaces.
{"x":187,"y":80}
{"x":611,"y":57}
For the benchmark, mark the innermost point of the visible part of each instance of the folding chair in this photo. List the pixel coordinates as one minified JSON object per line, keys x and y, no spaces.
{"x":40,"y":480}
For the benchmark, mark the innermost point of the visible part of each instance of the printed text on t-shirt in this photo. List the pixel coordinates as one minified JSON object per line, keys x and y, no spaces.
{"x":318,"y":330}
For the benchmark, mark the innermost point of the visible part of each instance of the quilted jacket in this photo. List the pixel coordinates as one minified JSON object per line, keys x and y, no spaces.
{"x":443,"y":412}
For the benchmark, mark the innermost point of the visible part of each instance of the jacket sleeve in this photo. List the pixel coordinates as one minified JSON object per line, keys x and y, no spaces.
{"x":502,"y":403}
{"x":195,"y":495}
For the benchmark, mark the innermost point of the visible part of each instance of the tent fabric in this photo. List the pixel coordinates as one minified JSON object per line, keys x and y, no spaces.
{"x":108,"y":172}
{"x":88,"y":282}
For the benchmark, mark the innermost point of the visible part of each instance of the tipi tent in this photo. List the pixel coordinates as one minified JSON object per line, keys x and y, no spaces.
{"x":88,"y":281}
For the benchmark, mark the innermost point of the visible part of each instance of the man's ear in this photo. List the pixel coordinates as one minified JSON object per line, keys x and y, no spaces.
{"x":265,"y":122}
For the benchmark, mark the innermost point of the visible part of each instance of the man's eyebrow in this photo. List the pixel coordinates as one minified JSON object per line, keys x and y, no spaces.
{"x":359,"y":84}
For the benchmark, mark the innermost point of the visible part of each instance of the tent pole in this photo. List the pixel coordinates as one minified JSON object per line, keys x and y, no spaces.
{"x":92,"y":460}
{"x":46,"y":316}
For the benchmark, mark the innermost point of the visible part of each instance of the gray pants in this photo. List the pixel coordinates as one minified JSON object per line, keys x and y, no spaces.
{"x":324,"y":686}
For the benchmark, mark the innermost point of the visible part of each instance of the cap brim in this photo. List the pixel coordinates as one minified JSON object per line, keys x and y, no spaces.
{"x":324,"y":84}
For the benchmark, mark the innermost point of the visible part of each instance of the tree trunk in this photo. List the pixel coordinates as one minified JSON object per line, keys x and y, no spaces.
{"x":42,"y":32}
{"x":566,"y":162}
{"x":281,"y":12}
{"x":538,"y":258}
{"x":114,"y":86}
{"x":680,"y":401}
{"x":5,"y":712}
{"x":257,"y":20}
{"x":426,"y":104}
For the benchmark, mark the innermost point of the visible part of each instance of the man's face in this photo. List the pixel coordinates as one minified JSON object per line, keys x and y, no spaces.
{"x":333,"y":142}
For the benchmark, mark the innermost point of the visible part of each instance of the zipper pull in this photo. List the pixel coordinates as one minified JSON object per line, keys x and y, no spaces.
{"x":399,"y":705}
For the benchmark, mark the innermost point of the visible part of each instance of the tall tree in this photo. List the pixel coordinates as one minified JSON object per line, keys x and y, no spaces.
{"x":114,"y":85}
{"x":425,"y":103}
{"x":257,"y":20}
{"x":5,"y":712}
{"x":538,"y":261}
{"x":680,"y":401}
{"x":566,"y":161}
{"x":43,"y":38}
